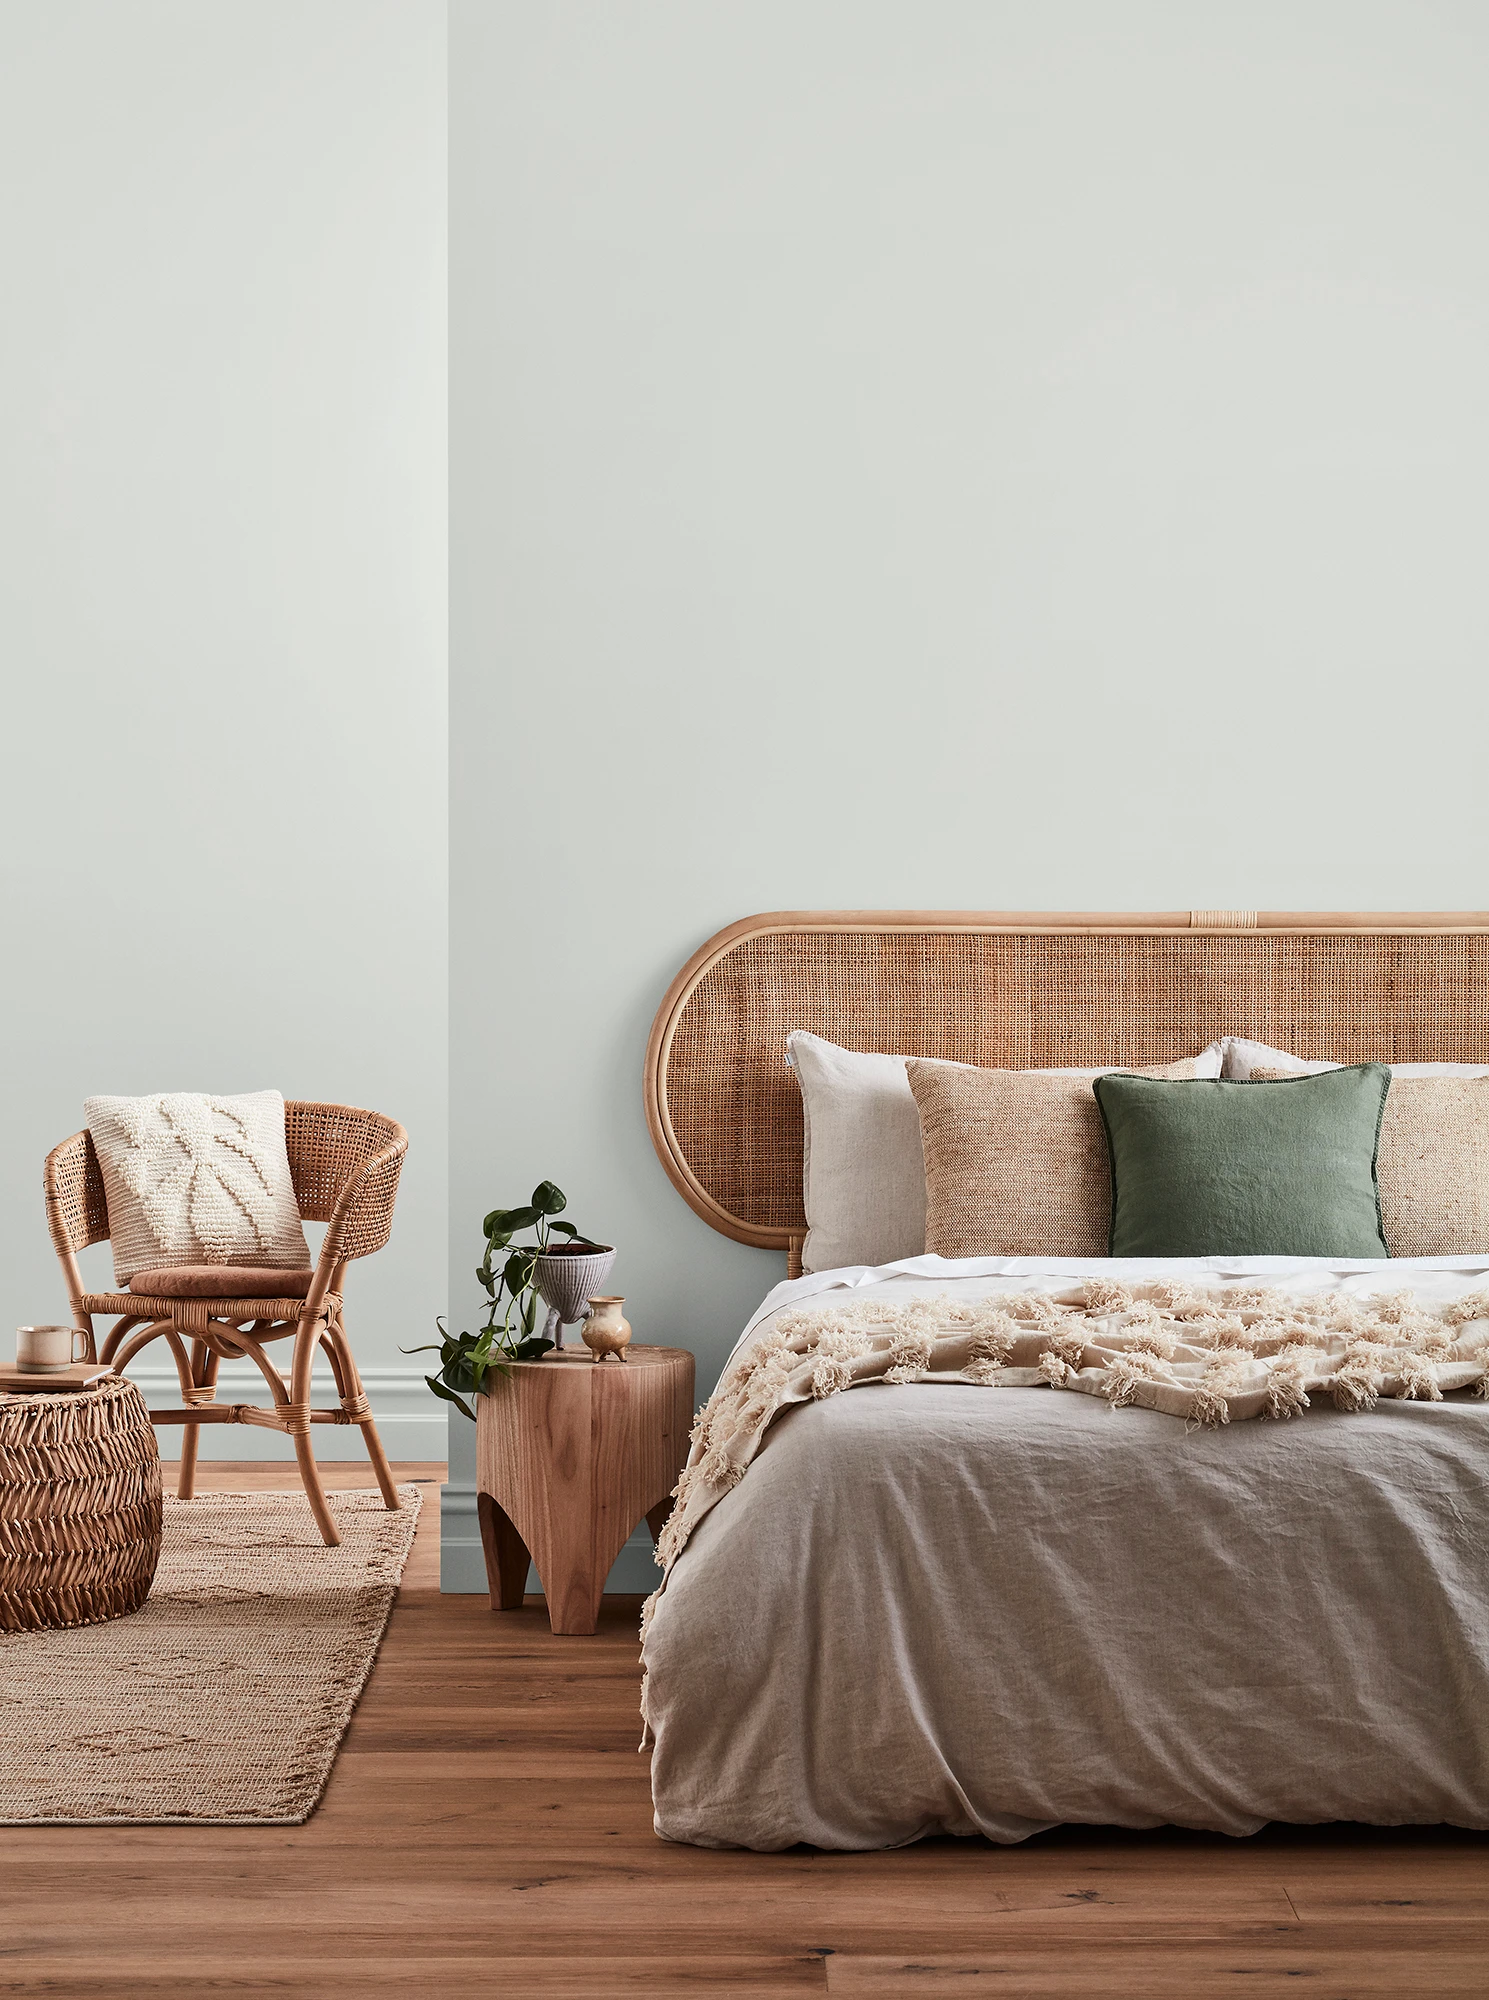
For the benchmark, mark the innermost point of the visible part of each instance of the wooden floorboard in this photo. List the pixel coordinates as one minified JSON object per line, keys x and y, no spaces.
{"x":487,"y":1830}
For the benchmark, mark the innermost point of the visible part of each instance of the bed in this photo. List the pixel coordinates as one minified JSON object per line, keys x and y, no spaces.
{"x":929,"y":1608}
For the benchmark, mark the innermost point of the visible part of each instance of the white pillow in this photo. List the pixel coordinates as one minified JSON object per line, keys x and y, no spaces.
{"x":1242,"y":1057}
{"x":863,"y":1170}
{"x":192,"y":1179}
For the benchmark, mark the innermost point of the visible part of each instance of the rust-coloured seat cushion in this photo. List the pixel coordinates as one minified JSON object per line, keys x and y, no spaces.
{"x":220,"y":1281}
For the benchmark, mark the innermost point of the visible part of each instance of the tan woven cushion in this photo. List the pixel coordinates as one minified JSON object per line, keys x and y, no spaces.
{"x":1432,"y":1164}
{"x":1015,"y":1161}
{"x":220,"y":1281}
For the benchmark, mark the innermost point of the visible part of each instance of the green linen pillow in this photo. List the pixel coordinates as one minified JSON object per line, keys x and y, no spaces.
{"x":1232,"y":1169}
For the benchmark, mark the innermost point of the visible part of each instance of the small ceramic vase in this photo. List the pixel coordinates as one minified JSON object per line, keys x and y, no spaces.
{"x":607,"y":1331}
{"x":565,"y":1278}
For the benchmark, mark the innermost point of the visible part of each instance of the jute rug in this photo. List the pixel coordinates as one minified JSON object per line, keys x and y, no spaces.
{"x":225,"y":1698}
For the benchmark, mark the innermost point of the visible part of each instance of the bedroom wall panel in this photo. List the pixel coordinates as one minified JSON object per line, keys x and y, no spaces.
{"x":222,"y":599}
{"x":979,"y":456}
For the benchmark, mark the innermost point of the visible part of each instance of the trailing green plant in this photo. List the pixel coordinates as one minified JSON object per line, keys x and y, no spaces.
{"x":469,"y":1360}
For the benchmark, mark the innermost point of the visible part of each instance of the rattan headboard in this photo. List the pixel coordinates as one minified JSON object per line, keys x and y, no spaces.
{"x":1021,"y":991}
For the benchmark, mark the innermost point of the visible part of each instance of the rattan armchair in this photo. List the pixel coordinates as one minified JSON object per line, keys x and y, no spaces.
{"x":345,"y":1165}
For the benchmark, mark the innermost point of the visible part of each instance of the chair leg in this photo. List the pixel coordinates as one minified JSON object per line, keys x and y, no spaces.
{"x":315,"y":1493}
{"x":186,"y":1477}
{"x":349,"y":1386}
{"x":380,"y":1465}
{"x":204,"y":1364}
{"x":298,"y":1415}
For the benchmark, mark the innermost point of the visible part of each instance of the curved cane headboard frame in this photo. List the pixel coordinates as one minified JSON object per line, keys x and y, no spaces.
{"x":1024,"y":991}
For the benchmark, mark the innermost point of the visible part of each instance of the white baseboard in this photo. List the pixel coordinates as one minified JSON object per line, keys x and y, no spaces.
{"x":410,"y":1421}
{"x":462,"y":1566}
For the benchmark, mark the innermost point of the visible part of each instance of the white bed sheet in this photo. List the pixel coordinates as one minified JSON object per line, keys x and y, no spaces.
{"x":934,"y":1608}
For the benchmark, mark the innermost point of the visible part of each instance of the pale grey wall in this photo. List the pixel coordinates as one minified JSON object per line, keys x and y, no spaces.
{"x":222,"y":592}
{"x":938,"y":453}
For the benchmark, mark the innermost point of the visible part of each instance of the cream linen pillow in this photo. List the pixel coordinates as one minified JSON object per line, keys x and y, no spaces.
{"x":1432,"y":1161}
{"x":1016,"y":1161}
{"x":192,"y":1179}
{"x":863,"y":1179}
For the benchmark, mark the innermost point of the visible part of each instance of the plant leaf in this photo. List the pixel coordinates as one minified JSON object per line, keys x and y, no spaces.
{"x":441,"y":1346}
{"x":529,"y":1350}
{"x":449,"y":1396}
{"x":548,"y":1199}
{"x":562,"y":1229}
{"x":505,"y":1222}
{"x":518,"y":1270}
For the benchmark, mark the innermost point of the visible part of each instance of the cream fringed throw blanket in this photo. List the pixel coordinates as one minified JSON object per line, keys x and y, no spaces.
{"x":1205,"y":1357}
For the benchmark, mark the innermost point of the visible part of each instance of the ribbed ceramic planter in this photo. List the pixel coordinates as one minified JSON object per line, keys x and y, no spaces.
{"x":565,"y":1279}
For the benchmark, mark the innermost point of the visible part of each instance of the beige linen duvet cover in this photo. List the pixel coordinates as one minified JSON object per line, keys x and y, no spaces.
{"x":934,"y":1607}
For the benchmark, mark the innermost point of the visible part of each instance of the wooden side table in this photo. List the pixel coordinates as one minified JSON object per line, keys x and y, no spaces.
{"x":571,"y":1454}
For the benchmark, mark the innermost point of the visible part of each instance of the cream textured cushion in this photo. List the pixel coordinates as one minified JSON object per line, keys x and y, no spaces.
{"x":1242,"y":1059}
{"x":192,"y":1179}
{"x":1432,"y":1162}
{"x":1016,"y":1161}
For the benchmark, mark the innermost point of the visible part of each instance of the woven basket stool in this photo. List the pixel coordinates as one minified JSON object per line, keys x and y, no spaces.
{"x":79,"y":1506}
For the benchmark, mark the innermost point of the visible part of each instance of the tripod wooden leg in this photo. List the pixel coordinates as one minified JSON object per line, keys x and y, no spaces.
{"x":506,"y":1555}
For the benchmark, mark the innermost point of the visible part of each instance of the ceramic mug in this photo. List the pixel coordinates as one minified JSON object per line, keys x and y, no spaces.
{"x":42,"y":1348}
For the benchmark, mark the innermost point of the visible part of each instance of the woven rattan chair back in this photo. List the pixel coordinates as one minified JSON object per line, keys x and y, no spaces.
{"x":77,"y":1208}
{"x":329,"y":1145}
{"x":345,"y":1164}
